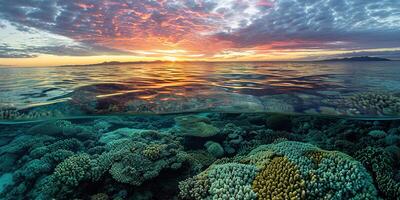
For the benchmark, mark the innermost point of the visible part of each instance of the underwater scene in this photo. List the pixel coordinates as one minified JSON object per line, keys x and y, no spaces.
{"x":201,"y":130}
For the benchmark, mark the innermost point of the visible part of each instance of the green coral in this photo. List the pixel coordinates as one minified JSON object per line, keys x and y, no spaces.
{"x":379,"y":162}
{"x":195,"y":188}
{"x":153,"y":151}
{"x":72,"y":170}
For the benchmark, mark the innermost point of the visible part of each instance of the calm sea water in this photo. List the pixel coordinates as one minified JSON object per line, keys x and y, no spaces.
{"x":262,"y":130}
{"x":331,"y":88}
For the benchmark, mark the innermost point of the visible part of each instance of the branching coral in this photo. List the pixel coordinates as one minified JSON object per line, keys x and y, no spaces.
{"x":280,"y":179}
{"x":379,"y":162}
{"x":232,"y":180}
{"x":153,"y":151}
{"x":372,"y":103}
{"x":195,"y":188}
{"x":139,"y":158}
{"x":25,"y":143}
{"x":72,"y":170}
{"x":10,"y":113}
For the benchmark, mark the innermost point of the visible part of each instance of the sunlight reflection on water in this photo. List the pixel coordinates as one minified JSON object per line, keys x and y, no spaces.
{"x":180,"y":87}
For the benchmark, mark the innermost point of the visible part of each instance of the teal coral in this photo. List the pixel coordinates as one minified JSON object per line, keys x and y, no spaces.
{"x":72,"y":170}
{"x":379,"y":162}
{"x":232,"y":181}
{"x":131,"y":161}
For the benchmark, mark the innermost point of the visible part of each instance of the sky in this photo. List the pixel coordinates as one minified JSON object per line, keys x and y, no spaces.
{"x":68,"y":32}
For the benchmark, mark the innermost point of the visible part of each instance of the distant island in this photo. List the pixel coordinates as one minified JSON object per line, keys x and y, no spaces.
{"x":349,"y":59}
{"x":361,"y":58}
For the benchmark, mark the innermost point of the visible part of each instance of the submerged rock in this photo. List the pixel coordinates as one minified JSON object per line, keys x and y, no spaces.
{"x":194,"y":125}
{"x":121,"y":133}
{"x":214,"y":148}
{"x":377,"y":134}
{"x":5,"y":179}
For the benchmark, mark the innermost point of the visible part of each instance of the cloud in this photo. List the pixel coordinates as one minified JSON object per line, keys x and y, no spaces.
{"x":203,"y":27}
{"x":356,"y":24}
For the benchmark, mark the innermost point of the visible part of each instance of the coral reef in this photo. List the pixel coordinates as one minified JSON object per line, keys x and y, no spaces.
{"x":141,"y":158}
{"x":374,"y":103}
{"x":230,"y":155}
{"x":72,"y":170}
{"x":380,"y":163}
{"x":232,"y":180}
{"x":196,"y":188}
{"x":290,"y":170}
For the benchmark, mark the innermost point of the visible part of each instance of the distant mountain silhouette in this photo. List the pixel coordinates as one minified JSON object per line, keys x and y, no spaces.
{"x":361,"y":58}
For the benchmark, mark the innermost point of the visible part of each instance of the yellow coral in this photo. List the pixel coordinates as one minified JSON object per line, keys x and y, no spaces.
{"x":279,"y":179}
{"x":153,"y":151}
{"x":315,"y":156}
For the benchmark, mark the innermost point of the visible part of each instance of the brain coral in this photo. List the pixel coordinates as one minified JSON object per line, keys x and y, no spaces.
{"x":289,"y":170}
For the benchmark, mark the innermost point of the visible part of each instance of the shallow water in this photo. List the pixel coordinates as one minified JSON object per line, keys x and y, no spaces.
{"x":328,"y":88}
{"x":201,"y":131}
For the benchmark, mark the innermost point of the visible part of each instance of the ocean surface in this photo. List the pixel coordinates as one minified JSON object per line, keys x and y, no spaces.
{"x":201,"y":130}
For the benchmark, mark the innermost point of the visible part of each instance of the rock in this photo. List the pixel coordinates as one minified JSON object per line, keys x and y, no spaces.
{"x":214,"y":149}
{"x":392,"y":139}
{"x":194,"y":125}
{"x":121,"y":133}
{"x":5,"y":179}
{"x":377,"y":134}
{"x":394,"y":151}
{"x":279,"y":122}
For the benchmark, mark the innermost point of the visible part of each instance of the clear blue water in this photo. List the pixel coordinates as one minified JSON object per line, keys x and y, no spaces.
{"x":325,"y":88}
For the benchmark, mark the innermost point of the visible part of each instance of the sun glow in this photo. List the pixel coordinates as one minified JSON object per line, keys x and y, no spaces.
{"x":170,"y":58}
